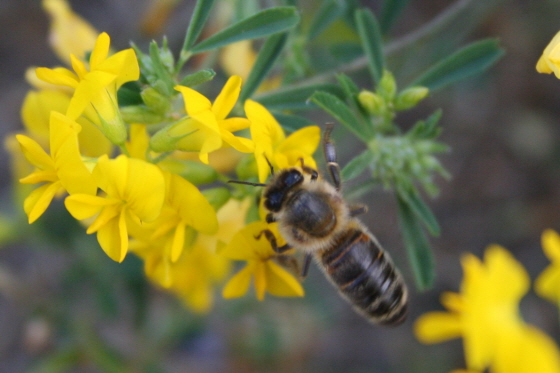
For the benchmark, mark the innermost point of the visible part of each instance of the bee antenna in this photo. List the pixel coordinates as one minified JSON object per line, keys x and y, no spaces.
{"x":245,"y":183}
{"x":269,"y":165}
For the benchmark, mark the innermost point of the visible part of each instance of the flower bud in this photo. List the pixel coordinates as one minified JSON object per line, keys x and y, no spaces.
{"x":217,"y":196}
{"x":155,"y":100}
{"x":372,"y":103}
{"x":410,"y":97}
{"x":163,"y":141}
{"x":387,"y":86}
{"x":197,"y":172}
{"x":114,"y":128}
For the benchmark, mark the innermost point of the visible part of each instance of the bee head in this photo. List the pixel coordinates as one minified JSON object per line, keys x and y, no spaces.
{"x":280,"y":186}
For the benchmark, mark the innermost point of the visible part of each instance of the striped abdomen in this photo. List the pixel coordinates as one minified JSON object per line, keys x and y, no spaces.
{"x":366,"y":276}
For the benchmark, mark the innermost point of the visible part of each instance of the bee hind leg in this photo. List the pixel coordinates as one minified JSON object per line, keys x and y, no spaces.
{"x":272,"y":240}
{"x":305,"y":267}
{"x":330,"y":157}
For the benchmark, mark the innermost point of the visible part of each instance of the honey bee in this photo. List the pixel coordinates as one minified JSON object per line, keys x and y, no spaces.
{"x":313,"y":217}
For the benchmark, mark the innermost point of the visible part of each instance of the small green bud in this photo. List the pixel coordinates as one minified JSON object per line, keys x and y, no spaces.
{"x":163,"y":141}
{"x":217,"y":196}
{"x":196,"y":172}
{"x":114,"y":129}
{"x":140,"y":114}
{"x":155,"y":100}
{"x":410,"y":97}
{"x":247,"y":167}
{"x":372,"y":103}
{"x":387,"y":86}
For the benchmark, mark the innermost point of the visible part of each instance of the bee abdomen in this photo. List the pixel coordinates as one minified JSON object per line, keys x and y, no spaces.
{"x":366,"y":276}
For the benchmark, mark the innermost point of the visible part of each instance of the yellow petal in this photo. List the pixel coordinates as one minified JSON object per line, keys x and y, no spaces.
{"x":238,"y":143}
{"x":113,"y":238}
{"x":305,"y":140}
{"x":238,"y":285}
{"x":506,"y":274}
{"x":34,"y":153}
{"x":38,"y":200}
{"x":69,"y":32}
{"x":90,"y":88}
{"x":282,"y":283}
{"x":100,"y":50}
{"x":227,"y":98}
{"x":36,"y":111}
{"x":260,"y":279}
{"x":234,"y":124}
{"x":178,"y":242}
{"x":145,"y":189}
{"x":264,"y":126}
{"x":550,"y":241}
{"x":124,"y":65}
{"x":547,"y":285}
{"x":436,"y":327}
{"x":57,"y":76}
{"x":111,"y":175}
{"x":83,"y":206}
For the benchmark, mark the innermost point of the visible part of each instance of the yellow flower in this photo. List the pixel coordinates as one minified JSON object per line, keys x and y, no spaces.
{"x":258,"y":253}
{"x":486,"y":315}
{"x":69,"y":33}
{"x":95,"y":91}
{"x":547,"y":285}
{"x":271,"y":142}
{"x":135,"y":190}
{"x":61,"y":171}
{"x":207,"y":126}
{"x":549,"y":62}
{"x":198,"y":269}
{"x":35,"y":114}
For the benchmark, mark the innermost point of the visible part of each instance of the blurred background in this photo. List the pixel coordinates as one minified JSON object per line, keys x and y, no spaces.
{"x":64,"y":303}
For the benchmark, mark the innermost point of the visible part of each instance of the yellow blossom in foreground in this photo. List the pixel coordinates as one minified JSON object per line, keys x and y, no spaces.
{"x":95,"y":90}
{"x":135,"y":190}
{"x":549,"y":62}
{"x":268,"y":276}
{"x":486,"y":315}
{"x":271,"y":142}
{"x":198,"y":269}
{"x":207,"y":128}
{"x":69,"y":33}
{"x":61,"y":171}
{"x":547,"y":285}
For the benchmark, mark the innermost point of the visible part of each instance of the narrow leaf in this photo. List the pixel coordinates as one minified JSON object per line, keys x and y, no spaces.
{"x":329,"y":11}
{"x":357,"y":165}
{"x":370,"y":36}
{"x":420,"y":209}
{"x":417,"y":246}
{"x":264,"y":23}
{"x":199,"y":77}
{"x":198,"y":20}
{"x":160,"y":70}
{"x":390,"y":12}
{"x":468,"y":61}
{"x":296,"y":98}
{"x":350,"y":88}
{"x":342,"y":113}
{"x":268,"y":55}
{"x":426,"y":129}
{"x":357,"y":191}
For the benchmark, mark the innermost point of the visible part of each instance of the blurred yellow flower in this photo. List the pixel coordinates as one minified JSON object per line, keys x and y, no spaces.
{"x":486,"y":315}
{"x":547,"y":285}
{"x":61,"y":171}
{"x":271,"y":142}
{"x":135,"y":190}
{"x":95,"y":90}
{"x":549,"y":62}
{"x":207,"y":126}
{"x":69,"y":33}
{"x":257,"y":252}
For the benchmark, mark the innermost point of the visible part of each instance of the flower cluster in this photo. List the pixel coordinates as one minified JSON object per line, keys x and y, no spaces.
{"x":134,"y":184}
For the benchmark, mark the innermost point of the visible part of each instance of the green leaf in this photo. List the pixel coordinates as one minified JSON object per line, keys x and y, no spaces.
{"x":329,"y":11}
{"x":419,"y":251}
{"x":160,"y":70}
{"x":291,"y":123}
{"x":267,"y":22}
{"x":420,"y":209}
{"x":197,"y":22}
{"x":350,"y":88}
{"x":199,"y":77}
{"x":296,"y":98}
{"x":342,"y":113}
{"x":468,"y":61}
{"x":217,"y":197}
{"x":357,"y":165}
{"x":390,"y":12}
{"x":370,"y":36}
{"x":268,"y":55}
{"x":426,"y":129}
{"x":356,"y":192}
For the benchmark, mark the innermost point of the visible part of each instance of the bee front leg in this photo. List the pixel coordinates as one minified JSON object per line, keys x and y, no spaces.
{"x":305,"y":267}
{"x":356,"y":210}
{"x":273,"y":243}
{"x":330,"y":157}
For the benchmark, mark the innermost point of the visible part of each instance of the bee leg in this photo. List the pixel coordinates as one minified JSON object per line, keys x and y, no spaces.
{"x":356,"y":210}
{"x":269,"y":218}
{"x":289,"y":262}
{"x":273,"y":243}
{"x":305,"y":267}
{"x":330,"y":157}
